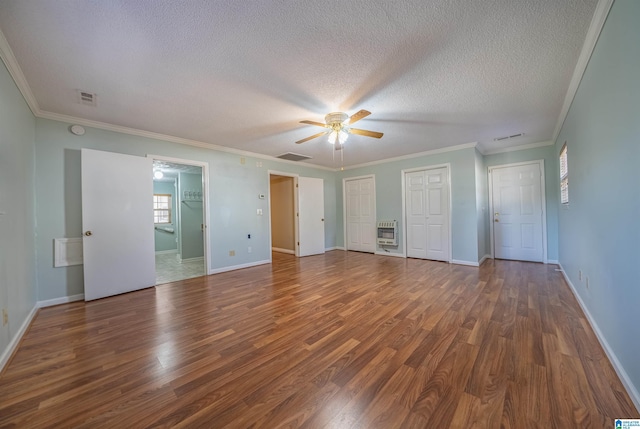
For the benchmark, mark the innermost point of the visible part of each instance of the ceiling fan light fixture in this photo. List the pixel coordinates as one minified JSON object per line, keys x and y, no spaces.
{"x":342,"y":136}
{"x":333,"y":135}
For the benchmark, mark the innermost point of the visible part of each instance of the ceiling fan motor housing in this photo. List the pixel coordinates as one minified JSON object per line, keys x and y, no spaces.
{"x":336,"y":118}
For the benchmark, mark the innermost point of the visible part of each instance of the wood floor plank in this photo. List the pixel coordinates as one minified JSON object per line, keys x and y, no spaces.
{"x":344,"y":339}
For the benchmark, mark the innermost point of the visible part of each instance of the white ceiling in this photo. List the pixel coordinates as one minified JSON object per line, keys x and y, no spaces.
{"x":242,"y":74}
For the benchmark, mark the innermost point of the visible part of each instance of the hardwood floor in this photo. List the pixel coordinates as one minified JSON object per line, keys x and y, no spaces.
{"x":341,"y":340}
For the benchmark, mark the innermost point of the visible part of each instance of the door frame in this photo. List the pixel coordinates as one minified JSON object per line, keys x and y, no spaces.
{"x":403,"y":180}
{"x":205,"y":200}
{"x":543,"y":197}
{"x":344,"y":207}
{"x":296,"y":226}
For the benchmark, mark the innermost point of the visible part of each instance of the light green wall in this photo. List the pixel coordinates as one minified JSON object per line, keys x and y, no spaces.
{"x":17,"y":222}
{"x":388,"y":180}
{"x":191,"y":217}
{"x":163,"y":240}
{"x":546,"y":153}
{"x":600,"y":228}
{"x":482,"y":206}
{"x":233,"y":193}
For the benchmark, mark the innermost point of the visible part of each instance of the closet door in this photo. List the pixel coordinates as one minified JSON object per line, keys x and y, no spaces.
{"x":360,"y":214}
{"x":427,"y":213}
{"x":416,"y":209}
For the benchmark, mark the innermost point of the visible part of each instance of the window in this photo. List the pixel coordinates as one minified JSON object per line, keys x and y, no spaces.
{"x":564,"y":175}
{"x":161,"y":208}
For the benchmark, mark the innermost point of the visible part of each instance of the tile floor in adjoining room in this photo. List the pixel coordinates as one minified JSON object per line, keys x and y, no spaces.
{"x":170,"y":269}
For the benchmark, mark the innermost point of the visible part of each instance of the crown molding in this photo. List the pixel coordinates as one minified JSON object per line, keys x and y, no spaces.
{"x":516,"y":148}
{"x":21,"y":82}
{"x":16,"y":73}
{"x":413,"y":155}
{"x":595,"y":28}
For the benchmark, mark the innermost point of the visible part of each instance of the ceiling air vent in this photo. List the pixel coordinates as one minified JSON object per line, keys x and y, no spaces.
{"x":290,"y":156}
{"x":87,"y":98}
{"x":497,"y":139}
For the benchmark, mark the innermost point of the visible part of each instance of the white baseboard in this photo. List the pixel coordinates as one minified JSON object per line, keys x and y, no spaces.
{"x":198,"y":259}
{"x":166,"y":252}
{"x":397,"y":255}
{"x":238,"y":267}
{"x":8,"y":352}
{"x":61,"y":300}
{"x":469,"y":263}
{"x":280,"y":250}
{"x":328,"y":249}
{"x":484,"y":258}
{"x":624,"y":377}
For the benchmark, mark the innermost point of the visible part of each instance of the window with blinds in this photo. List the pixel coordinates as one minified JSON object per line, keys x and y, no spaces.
{"x":564,"y":175}
{"x":161,"y":208}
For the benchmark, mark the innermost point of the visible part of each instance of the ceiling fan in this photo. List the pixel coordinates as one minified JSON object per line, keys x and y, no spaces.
{"x":339,"y":127}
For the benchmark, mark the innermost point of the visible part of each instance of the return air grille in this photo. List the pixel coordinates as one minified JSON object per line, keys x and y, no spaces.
{"x":87,"y":98}
{"x":290,"y":156}
{"x":497,"y":139}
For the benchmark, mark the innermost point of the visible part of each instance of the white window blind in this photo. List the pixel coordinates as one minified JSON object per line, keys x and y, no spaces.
{"x":161,"y":208}
{"x":564,"y":176}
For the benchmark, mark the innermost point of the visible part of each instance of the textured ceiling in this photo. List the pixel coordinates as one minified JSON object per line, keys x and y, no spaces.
{"x":434,"y":73}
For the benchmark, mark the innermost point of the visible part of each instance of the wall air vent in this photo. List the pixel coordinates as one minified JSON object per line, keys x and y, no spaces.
{"x":290,"y":156}
{"x":497,"y":139}
{"x":87,"y":98}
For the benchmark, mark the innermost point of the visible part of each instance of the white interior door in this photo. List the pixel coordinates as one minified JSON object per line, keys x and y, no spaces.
{"x":437,"y":197}
{"x":360,"y":214}
{"x":517,"y":212}
{"x":117,"y":220}
{"x":416,"y":209}
{"x":310,"y":216}
{"x":427,"y":214}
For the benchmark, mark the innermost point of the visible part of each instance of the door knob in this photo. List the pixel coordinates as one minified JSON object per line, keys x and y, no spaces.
{"x":496,"y":220}
{"x":88,"y":233}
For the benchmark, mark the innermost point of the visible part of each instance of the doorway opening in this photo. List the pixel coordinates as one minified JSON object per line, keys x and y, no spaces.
{"x":296,"y":203}
{"x":180,"y":219}
{"x":283,"y":213}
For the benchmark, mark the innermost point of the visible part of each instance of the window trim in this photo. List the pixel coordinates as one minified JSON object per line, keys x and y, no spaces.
{"x":564,"y":174}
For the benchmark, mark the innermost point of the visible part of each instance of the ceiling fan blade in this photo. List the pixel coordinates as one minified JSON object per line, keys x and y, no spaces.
{"x":312,"y":137}
{"x":367,"y":133}
{"x":318,"y":124}
{"x":358,"y":115}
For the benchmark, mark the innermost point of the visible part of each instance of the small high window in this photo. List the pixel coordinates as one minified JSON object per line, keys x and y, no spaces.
{"x":564,"y":175}
{"x":161,"y":208}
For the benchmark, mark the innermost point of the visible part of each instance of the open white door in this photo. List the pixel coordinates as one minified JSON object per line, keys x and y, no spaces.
{"x":117,"y":220}
{"x":310,"y":216}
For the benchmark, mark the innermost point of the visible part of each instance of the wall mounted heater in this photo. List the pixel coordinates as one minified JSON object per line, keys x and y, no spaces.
{"x":387,"y":232}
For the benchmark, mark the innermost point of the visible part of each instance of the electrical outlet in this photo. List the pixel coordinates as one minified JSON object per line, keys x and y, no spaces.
{"x":580,"y":275}
{"x":232,"y":253}
{"x":242,"y":160}
{"x":5,"y":317}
